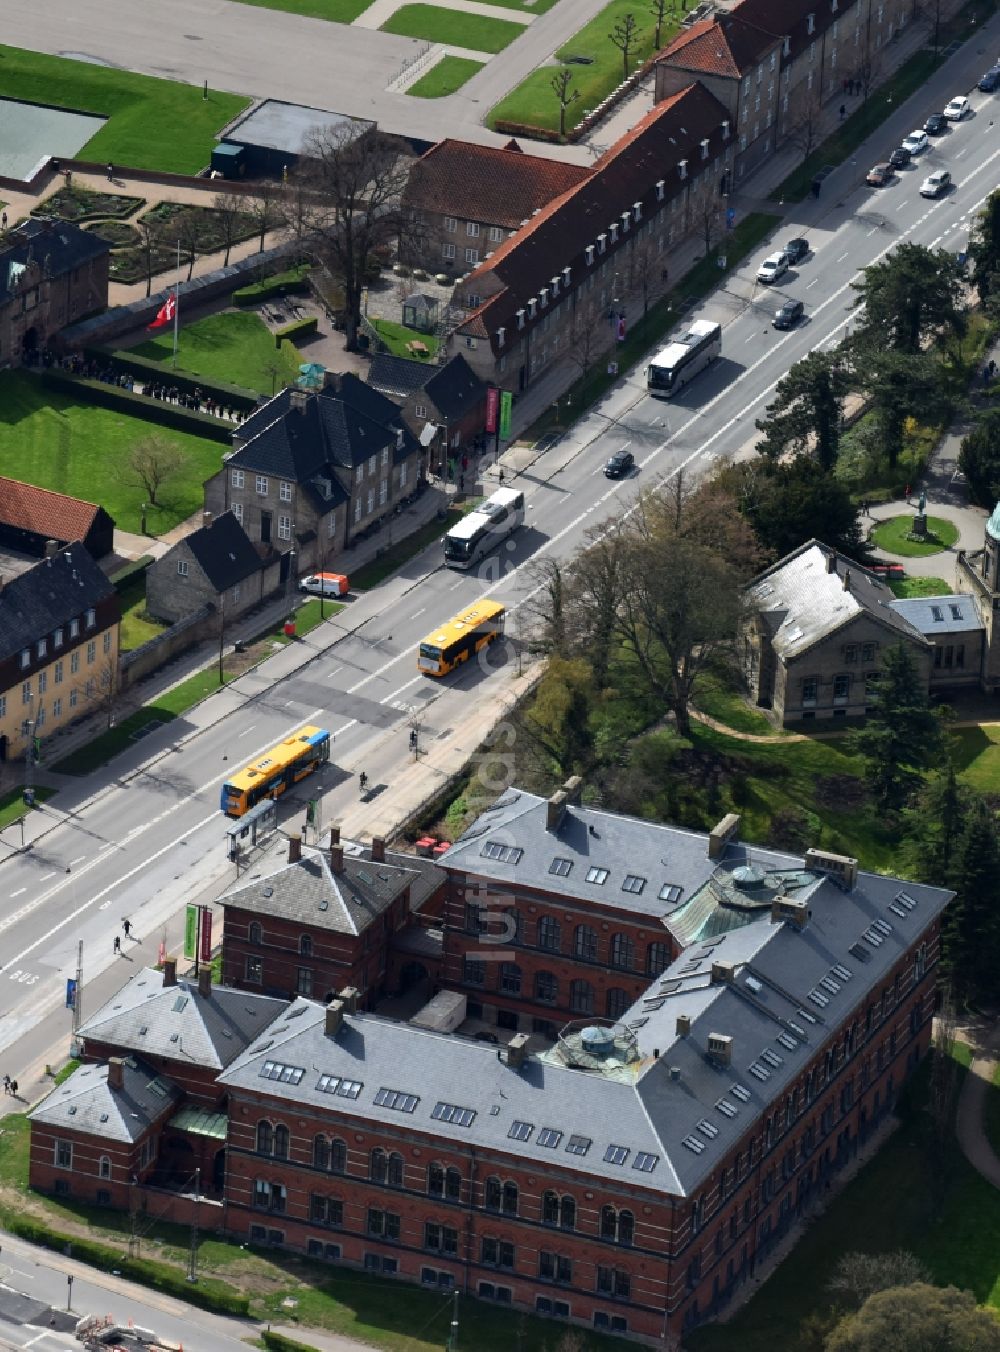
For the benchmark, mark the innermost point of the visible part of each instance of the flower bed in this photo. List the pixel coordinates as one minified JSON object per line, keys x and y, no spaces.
{"x":83,"y":204}
{"x":178,"y":218}
{"x":119,"y":234}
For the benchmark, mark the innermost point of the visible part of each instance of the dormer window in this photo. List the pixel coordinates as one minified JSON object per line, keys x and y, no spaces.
{"x":682,"y":168}
{"x":501,"y":331}
{"x":543,"y":297}
{"x":810,"y":23}
{"x":566,"y":275}
{"x":589,"y":251}
{"x":637,"y":211}
{"x":613,"y":232}
{"x":520,"y":319}
{"x":532,"y":307}
{"x":661,"y":185}
{"x":786,"y":46}
{"x":704,"y":149}
{"x":725,"y":130}
{"x":602,"y":242}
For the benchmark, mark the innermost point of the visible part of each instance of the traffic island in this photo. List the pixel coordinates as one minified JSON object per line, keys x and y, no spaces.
{"x":898,"y":535}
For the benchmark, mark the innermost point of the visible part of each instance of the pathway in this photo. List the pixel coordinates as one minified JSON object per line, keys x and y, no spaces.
{"x":381,"y":11}
{"x":970,"y":1122}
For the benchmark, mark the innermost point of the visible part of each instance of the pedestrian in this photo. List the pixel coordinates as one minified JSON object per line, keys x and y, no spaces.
{"x":13,"y":1088}
{"x":501,"y":474}
{"x":843,"y":112}
{"x":6,"y":1084}
{"x":3,"y":221}
{"x":127,"y":927}
{"x":907,"y":492}
{"x":118,"y":943}
{"x":992,"y":368}
{"x":111,"y":172}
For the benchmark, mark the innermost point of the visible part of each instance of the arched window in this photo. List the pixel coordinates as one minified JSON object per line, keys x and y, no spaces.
{"x":377,"y":1167}
{"x":622,"y":952}
{"x":581,"y":997}
{"x":509,"y":1206}
{"x":567,"y":1213}
{"x":550,"y":1208}
{"x":657,"y":958}
{"x":510,"y":978}
{"x":616,"y":1002}
{"x":546,"y":988}
{"x":492,"y":1194}
{"x":254,"y":933}
{"x":585,"y":943}
{"x":265,"y":1137}
{"x":609,"y":1222}
{"x":281,"y":1142}
{"x":395,"y":1170}
{"x":452,"y":1185}
{"x":338,"y":1155}
{"x":305,"y":945}
{"x":104,"y":1166}
{"x":321,"y":1152}
{"x":435,"y":1180}
{"x":549,"y":936}
{"x":626,"y":1227}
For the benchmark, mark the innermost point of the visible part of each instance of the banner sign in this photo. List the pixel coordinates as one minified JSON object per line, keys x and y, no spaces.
{"x":206,"y":935}
{"x":190,"y":931}
{"x":506,"y":405}
{"x":70,"y":992}
{"x":492,"y":403}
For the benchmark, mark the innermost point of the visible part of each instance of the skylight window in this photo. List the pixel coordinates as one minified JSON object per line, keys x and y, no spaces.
{"x":179,"y":1004}
{"x":956,"y":611}
{"x":549,"y":1138}
{"x":616,"y":1154}
{"x":645,"y":1162}
{"x":937,"y":613}
{"x":800,"y":1033}
{"x":451,"y":1112}
{"x":521,"y":1131}
{"x":809,"y":1018}
{"x":277,"y":1070}
{"x":753,"y":983}
{"x":396,"y":1099}
{"x":818,"y":998}
{"x":906,"y":900}
{"x":597,"y":875}
{"x":828,"y":984}
{"x":633,"y":883}
{"x":503,"y":854}
{"x":561,"y":867}
{"x":333,"y":1084}
{"x":872,"y":936}
{"x":578,"y":1145}
{"x":670,"y":892}
{"x":839,"y":970}
{"x":882,"y":926}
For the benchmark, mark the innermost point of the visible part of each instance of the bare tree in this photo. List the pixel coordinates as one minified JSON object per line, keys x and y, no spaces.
{"x":187,"y":234}
{"x":709,"y":220}
{"x":152,"y":461}
{"x":625,"y":36}
{"x":560,"y":83}
{"x":646,"y":265}
{"x":658,"y":9}
{"x":231,"y":213}
{"x":263,"y":207}
{"x":803,"y":130}
{"x":350,"y":206}
{"x":859,"y":1275}
{"x":587,"y":334}
{"x":151,"y":241}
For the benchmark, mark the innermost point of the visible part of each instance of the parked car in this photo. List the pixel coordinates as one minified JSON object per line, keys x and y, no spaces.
{"x":879,"y":175}
{"x":935,"y":184}
{"x":900,"y":157}
{"x":773,"y":267}
{"x":325,"y":584}
{"x":957,"y":108}
{"x":789,"y":314}
{"x":795,"y":250}
{"x":916,"y":142}
{"x":990,"y":81}
{"x":936,"y":124}
{"x":621,"y":464}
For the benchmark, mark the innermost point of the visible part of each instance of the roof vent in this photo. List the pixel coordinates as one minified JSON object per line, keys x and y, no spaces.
{"x":720,"y":1048}
{"x":682,"y":168}
{"x":597,"y":1040}
{"x":723,"y":973}
{"x":675,"y":1074}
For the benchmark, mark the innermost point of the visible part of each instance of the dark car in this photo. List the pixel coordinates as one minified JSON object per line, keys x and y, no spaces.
{"x":936,"y":124}
{"x":990,"y":81}
{"x":796,"y":250}
{"x":900,"y":158}
{"x":622,"y":463}
{"x":789,"y":314}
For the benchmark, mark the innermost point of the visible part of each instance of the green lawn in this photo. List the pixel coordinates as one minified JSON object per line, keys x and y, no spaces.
{"x":12,"y":806}
{"x":991,"y":1115}
{"x":447,"y":75}
{"x":533,"y":102}
{"x":48,"y":439}
{"x":717,"y":694}
{"x":893,"y":536}
{"x":339,"y":11}
{"x":136,"y":630}
{"x":906,"y":587}
{"x":457,"y":29}
{"x":152,"y":124}
{"x":395,"y":337}
{"x":234,"y":347}
{"x":976,"y":754}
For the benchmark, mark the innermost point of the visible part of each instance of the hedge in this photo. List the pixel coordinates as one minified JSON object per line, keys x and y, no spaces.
{"x":124,"y":576}
{"x":139,"y":405}
{"x":277,"y":1342}
{"x":294,"y":281}
{"x":233,"y":396}
{"x":528,"y":131}
{"x":297,"y":329}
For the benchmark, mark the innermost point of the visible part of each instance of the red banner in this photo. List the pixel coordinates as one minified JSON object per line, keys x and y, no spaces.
{"x":492,"y":405}
{"x":206,"y":934}
{"x":621,"y":328}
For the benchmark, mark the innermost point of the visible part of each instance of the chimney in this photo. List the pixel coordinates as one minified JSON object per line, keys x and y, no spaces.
{"x":336,"y":858}
{"x":675,"y":1074}
{"x":720,"y":836}
{"x":206,"y":519}
{"x":116,"y":1072}
{"x":723,"y":973}
{"x":205,"y":982}
{"x":334,"y":836}
{"x":843,"y":868}
{"x":170,"y":971}
{"x":847,"y":579}
{"x":831,"y":562}
{"x":683,"y":1025}
{"x":51,"y":548}
{"x":349,"y":999}
{"x":796,"y":913}
{"x":294,"y":847}
{"x":517,"y":1051}
{"x":399,"y":438}
{"x":334,"y":1017}
{"x":720,"y":1048}
{"x":555,"y":809}
{"x":297,"y":400}
{"x":378,"y":849}
{"x":573,"y":788}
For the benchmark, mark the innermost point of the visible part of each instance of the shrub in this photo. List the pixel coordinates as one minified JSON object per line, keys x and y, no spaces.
{"x":299,"y":328}
{"x":294,"y":281}
{"x":138,"y":406}
{"x":277,"y":1342}
{"x":124,"y":576}
{"x":525,"y":129}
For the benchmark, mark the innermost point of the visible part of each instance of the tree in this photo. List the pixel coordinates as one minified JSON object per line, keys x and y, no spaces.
{"x":710,"y":220}
{"x":790,"y":502}
{"x":971,"y":925}
{"x":263,"y":208}
{"x":345,"y":204}
{"x":186,"y":231}
{"x":912,"y":295}
{"x":984,"y":247}
{"x":231,"y":214}
{"x":858,"y":1276}
{"x":979,"y":459}
{"x":151,"y":243}
{"x":808,"y":409}
{"x":152,"y":461}
{"x":560,"y":83}
{"x":902,"y":733}
{"x":658,"y":9}
{"x":898,"y":384}
{"x":624,"y":36}
{"x":937,"y":821}
{"x":557,"y":720}
{"x":917,"y":1318}
{"x":588,"y":332}
{"x":805,"y":130}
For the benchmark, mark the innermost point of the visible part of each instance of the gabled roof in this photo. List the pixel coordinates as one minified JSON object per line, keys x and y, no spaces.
{"x":223,"y":551}
{"x":398,"y":377}
{"x":726,"y":45}
{"x":86,"y":1103}
{"x":48,"y":596}
{"x":812,"y":592}
{"x":56,"y":246}
{"x":497,"y":186}
{"x":790,"y":18}
{"x":44,"y":512}
{"x":934,"y":615}
{"x":455,"y":388}
{"x":178,"y":1023}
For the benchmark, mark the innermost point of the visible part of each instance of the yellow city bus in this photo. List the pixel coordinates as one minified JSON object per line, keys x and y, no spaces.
{"x":455,"y":642}
{"x":282,"y":766}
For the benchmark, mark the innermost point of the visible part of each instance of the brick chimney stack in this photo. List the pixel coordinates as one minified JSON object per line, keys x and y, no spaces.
{"x":337,"y":859}
{"x":378,"y":849}
{"x":170,"y":971}
{"x":116,"y":1073}
{"x":294,"y":848}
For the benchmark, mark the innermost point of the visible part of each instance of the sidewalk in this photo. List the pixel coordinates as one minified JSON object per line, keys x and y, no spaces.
{"x":969,"y":1122}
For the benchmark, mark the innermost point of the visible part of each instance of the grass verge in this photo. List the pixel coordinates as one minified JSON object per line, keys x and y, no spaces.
{"x":394,"y":556}
{"x":718,"y":695}
{"x":908,"y":587}
{"x":136,"y":629}
{"x":454,"y":27}
{"x":444,"y":77}
{"x":13,"y":807}
{"x":396,"y":336}
{"x":152,"y":124}
{"x":234,"y":347}
{"x":893,"y":536}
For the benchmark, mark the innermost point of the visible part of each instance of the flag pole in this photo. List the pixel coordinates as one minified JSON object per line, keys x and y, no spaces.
{"x":177,"y":288}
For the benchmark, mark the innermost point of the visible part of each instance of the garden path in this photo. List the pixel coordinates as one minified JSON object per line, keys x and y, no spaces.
{"x":969,"y":1123}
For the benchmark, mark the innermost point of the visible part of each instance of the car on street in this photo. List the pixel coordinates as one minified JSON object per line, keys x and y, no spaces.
{"x":795,"y":250}
{"x":936,"y":124}
{"x":900,"y":158}
{"x":934,"y":185}
{"x":789,"y":314}
{"x":773,"y":267}
{"x":879,"y":175}
{"x":916,"y":142}
{"x":957,"y":108}
{"x":620,"y":465}
{"x":325,"y":584}
{"x":990,"y":81}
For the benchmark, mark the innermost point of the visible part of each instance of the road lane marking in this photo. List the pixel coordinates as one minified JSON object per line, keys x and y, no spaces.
{"x":813,"y":283}
{"x":46,"y":877}
{"x":18,"y":892}
{"x":418,"y":613}
{"x":246,"y":731}
{"x":842,"y":257}
{"x":74,"y":862}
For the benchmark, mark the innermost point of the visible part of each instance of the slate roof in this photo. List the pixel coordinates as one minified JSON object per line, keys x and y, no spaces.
{"x":57,"y":246}
{"x":790,"y":991}
{"x":44,"y":512}
{"x":789,"y":18}
{"x":48,"y":596}
{"x":223,"y":551}
{"x":497,"y":186}
{"x":934,"y":615}
{"x":177,"y":1023}
{"x":398,"y":377}
{"x":453,"y":388}
{"x":726,"y":45}
{"x":85,"y":1103}
{"x":803,"y":602}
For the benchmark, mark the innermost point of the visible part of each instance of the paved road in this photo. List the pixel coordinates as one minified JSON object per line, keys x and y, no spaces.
{"x":139,"y":842}
{"x":246,"y":49}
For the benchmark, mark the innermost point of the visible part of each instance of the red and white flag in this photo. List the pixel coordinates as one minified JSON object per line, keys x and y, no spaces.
{"x":165,"y":314}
